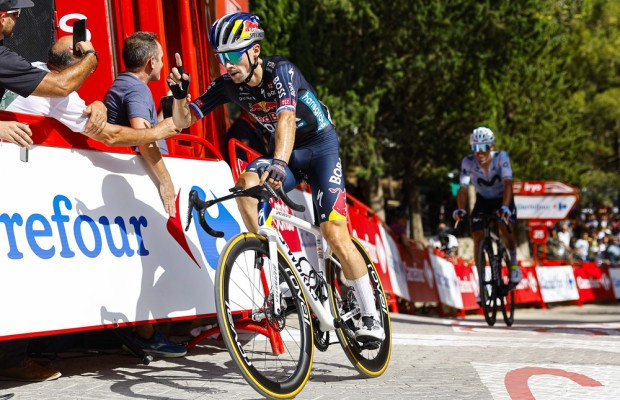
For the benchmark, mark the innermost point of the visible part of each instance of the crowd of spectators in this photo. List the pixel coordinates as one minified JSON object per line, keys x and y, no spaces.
{"x":588,"y":235}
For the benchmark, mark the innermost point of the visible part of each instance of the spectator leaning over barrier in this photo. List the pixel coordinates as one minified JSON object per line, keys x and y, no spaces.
{"x":130,"y":103}
{"x":73,"y":112}
{"x":444,"y":240}
{"x":17,"y":75}
{"x":491,"y":174}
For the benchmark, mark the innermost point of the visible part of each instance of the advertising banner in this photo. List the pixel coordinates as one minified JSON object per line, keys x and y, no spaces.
{"x":367,"y":231}
{"x":593,"y":282}
{"x":420,"y":276}
{"x":614,"y":275}
{"x":448,"y":283}
{"x":544,"y":207}
{"x":85,"y":241}
{"x":397,"y":265}
{"x":468,"y":284}
{"x":557,"y":283}
{"x":528,"y":291}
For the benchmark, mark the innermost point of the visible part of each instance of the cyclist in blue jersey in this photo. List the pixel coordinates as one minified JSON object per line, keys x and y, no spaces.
{"x":304,"y":144}
{"x":491,"y":174}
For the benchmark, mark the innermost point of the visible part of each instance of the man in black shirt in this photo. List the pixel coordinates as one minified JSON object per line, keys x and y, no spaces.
{"x":17,"y":75}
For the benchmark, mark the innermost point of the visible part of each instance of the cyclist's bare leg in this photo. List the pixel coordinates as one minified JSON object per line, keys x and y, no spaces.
{"x":478,"y":237}
{"x":247,"y":205}
{"x":510,"y":239}
{"x":353,"y":267}
{"x":337,"y":235}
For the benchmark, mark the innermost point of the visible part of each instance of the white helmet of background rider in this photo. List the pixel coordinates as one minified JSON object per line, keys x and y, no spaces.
{"x":482,"y":135}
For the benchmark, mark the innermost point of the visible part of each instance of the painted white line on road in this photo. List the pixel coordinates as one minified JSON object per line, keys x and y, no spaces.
{"x":509,"y":381}
{"x":431,"y":340}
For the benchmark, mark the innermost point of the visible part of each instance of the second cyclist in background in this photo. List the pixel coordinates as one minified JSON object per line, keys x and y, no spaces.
{"x":491,"y":174}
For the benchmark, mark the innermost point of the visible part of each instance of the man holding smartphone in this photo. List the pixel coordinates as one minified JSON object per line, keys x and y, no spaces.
{"x":17,"y":75}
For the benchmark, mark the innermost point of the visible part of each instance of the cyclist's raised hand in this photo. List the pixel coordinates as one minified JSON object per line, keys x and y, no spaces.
{"x":505,"y":214}
{"x":178,"y":80}
{"x":458,"y":214}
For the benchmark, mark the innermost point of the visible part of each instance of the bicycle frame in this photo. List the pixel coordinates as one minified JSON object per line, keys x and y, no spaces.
{"x":302,"y":271}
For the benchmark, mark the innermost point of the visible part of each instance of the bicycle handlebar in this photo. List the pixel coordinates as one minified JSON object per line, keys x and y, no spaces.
{"x":262,"y":192}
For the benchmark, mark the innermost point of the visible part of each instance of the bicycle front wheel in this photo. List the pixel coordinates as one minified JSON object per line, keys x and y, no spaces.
{"x":488,"y":287}
{"x":273,"y":352}
{"x":371,"y":362}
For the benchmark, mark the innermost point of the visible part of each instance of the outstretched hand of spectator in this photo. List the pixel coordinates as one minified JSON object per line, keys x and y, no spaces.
{"x":16,"y":132}
{"x":98,"y":118}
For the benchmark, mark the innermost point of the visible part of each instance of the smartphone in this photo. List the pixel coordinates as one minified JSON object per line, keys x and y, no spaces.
{"x":79,"y":35}
{"x":23,"y":154}
{"x":166,"y":106}
{"x":23,"y":151}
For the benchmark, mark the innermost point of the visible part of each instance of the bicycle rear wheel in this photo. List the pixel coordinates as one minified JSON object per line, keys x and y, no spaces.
{"x":273,"y":353}
{"x":488,"y":287}
{"x":371,"y":362}
{"x":507,"y":295}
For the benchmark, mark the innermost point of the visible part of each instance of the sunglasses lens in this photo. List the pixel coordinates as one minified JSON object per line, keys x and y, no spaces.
{"x":480,"y":147}
{"x":232,"y":57}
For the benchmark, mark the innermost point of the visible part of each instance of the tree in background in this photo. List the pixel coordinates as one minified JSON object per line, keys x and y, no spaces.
{"x":406,"y":82}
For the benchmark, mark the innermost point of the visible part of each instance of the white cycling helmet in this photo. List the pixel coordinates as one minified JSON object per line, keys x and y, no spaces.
{"x":482,"y":135}
{"x":235,"y":32}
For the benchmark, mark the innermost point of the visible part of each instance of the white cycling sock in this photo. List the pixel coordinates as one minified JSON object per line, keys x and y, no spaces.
{"x":365,"y":297}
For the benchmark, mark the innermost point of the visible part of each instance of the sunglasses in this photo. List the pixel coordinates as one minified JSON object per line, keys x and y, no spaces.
{"x":16,"y":12}
{"x":232,"y":57}
{"x":481,"y":147}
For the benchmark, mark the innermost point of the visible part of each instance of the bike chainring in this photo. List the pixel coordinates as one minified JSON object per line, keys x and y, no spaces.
{"x":321,"y":339}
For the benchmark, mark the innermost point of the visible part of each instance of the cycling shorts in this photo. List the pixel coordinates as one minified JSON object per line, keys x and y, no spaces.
{"x":318,"y":163}
{"x":489,"y":206}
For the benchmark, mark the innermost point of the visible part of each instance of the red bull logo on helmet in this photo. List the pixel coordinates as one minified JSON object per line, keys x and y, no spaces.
{"x":248,"y":28}
{"x":339,"y":209}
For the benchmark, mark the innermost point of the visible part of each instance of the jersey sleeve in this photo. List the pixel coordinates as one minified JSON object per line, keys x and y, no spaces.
{"x":286,"y":82}
{"x":504,"y":163}
{"x":465,"y":178}
{"x":214,"y":96}
{"x":17,"y":74}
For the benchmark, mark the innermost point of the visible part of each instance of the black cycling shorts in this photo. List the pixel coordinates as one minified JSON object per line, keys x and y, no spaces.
{"x":318,"y":163}
{"x":489,"y":206}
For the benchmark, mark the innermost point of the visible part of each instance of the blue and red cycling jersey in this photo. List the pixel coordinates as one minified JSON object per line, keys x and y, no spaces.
{"x":283,"y":88}
{"x":315,"y":157}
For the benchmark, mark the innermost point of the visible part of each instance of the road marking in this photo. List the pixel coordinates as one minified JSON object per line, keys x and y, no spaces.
{"x":595,"y":329}
{"x":511,"y":381}
{"x":540,"y":342}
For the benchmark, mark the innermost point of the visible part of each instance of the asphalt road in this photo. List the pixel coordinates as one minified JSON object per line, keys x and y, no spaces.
{"x":565,"y":352}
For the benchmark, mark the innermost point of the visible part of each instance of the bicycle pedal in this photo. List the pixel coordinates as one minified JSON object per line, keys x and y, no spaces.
{"x":370,"y":344}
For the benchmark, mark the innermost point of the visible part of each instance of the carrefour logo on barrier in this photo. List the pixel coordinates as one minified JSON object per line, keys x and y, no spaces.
{"x":81,"y":233}
{"x":220,"y":221}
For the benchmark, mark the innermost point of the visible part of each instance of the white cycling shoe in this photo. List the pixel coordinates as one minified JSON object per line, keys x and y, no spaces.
{"x":371,"y":331}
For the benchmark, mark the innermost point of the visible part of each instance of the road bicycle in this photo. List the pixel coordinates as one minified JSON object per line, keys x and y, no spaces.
{"x":273,"y":307}
{"x":495,"y":287}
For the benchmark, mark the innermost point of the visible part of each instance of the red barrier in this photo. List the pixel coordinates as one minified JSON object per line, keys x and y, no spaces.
{"x":468,"y":283}
{"x":593,"y":283}
{"x":419,"y":274}
{"x":528,"y":290}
